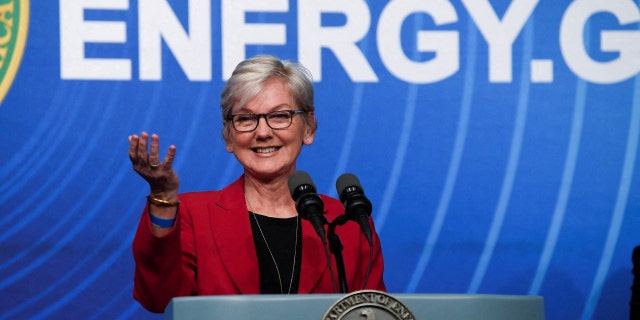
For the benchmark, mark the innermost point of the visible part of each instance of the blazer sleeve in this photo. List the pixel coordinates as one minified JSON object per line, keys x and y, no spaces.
{"x":165,"y":267}
{"x":635,"y":286}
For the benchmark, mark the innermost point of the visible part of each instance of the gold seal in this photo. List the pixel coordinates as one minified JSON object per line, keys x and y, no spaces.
{"x":14,"y":22}
{"x":368,"y":305}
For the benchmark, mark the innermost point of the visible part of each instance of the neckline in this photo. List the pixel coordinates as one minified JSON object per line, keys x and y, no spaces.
{"x":282,"y":222}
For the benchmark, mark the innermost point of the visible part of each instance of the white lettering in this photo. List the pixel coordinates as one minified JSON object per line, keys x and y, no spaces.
{"x":500,"y":34}
{"x":236,"y":33}
{"x":342,"y":41}
{"x":627,"y":43}
{"x":445,"y":44}
{"x":75,"y":32}
{"x":247,"y":22}
{"x":192,"y":50}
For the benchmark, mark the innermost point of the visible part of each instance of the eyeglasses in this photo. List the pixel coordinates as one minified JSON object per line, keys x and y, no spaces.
{"x":247,"y":122}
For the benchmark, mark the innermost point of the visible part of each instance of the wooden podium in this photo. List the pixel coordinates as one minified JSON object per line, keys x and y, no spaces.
{"x":314,"y":306}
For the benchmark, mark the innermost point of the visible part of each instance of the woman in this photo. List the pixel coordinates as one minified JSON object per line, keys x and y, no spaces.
{"x":246,"y":238}
{"x":634,"y":303}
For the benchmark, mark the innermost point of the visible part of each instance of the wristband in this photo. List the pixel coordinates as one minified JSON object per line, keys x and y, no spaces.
{"x":162,"y":223}
{"x":162,"y":202}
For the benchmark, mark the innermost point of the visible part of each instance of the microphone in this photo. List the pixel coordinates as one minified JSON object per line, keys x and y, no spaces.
{"x":356,"y":205}
{"x":308,"y":203}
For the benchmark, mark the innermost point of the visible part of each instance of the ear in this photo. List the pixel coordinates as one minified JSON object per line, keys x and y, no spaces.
{"x":308,"y":139}
{"x":226,"y":135}
{"x":310,"y":129}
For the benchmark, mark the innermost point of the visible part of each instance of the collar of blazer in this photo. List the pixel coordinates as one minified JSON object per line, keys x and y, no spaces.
{"x":232,"y":237}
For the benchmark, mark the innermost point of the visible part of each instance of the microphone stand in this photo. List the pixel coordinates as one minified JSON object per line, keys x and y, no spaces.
{"x":335,"y":246}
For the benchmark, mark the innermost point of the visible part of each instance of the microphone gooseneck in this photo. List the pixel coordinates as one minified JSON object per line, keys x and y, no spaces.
{"x":356,"y":205}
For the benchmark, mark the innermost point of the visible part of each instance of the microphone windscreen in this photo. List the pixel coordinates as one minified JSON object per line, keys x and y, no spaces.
{"x":297,"y":179}
{"x":345,"y":181}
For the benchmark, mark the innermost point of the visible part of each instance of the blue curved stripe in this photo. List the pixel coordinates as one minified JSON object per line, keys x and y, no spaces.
{"x":36,"y":159}
{"x":620,"y":207}
{"x":50,"y":191}
{"x":79,"y":225}
{"x":99,"y":206}
{"x":102,"y":267}
{"x":454,"y":165}
{"x":352,"y":125}
{"x":87,"y":216}
{"x":203,"y":105}
{"x":565,"y":190}
{"x":192,"y":132}
{"x":403,"y":144}
{"x":401,"y":151}
{"x":70,"y":274}
{"x":62,"y":176}
{"x":42,"y":130}
{"x":512,"y":163}
{"x":565,"y":186}
{"x":78,"y":163}
{"x":126,"y":290}
{"x":60,"y":223}
{"x":125,"y":245}
{"x":64,"y":218}
{"x":44,"y":204}
{"x":347,"y":146}
{"x":59,"y":242}
{"x":129,"y":311}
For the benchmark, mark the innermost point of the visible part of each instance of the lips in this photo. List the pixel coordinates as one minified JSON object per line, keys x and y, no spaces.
{"x":266,"y":150}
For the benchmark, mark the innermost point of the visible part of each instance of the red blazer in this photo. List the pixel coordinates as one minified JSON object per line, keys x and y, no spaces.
{"x":210,"y":251}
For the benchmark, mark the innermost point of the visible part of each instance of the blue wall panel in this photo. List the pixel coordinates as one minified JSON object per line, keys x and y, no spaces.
{"x":515,"y":185}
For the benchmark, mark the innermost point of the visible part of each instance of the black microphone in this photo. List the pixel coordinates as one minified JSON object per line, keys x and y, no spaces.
{"x":308,"y":203}
{"x":356,"y":205}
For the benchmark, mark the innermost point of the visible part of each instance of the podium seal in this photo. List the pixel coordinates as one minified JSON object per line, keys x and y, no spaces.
{"x":368,"y":305}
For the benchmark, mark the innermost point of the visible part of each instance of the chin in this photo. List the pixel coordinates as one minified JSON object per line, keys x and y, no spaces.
{"x":267,"y":172}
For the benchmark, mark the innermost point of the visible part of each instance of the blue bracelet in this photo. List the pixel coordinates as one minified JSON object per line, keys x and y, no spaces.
{"x":162,"y":223}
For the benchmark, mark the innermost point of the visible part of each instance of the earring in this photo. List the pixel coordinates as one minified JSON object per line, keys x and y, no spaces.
{"x":308,"y":139}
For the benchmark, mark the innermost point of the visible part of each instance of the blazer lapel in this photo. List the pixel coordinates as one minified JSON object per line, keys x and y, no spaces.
{"x":314,"y":261}
{"x":233,"y":238}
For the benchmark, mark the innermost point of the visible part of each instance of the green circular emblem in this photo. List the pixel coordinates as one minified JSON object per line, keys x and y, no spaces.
{"x":14,"y":22}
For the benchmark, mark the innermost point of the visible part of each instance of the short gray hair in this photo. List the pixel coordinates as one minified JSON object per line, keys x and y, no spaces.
{"x":250,"y":76}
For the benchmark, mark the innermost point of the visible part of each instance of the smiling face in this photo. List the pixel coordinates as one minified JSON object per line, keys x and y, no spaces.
{"x":266,"y":153}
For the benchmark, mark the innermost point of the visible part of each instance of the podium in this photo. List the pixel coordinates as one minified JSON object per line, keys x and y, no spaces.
{"x":314,"y":306}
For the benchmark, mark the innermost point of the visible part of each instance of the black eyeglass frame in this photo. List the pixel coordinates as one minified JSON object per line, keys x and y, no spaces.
{"x":266,"y":119}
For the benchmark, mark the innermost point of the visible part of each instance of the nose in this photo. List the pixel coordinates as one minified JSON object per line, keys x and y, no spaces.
{"x":263,"y":129}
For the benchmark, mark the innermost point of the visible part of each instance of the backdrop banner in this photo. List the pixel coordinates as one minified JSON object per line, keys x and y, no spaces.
{"x":497,"y":140}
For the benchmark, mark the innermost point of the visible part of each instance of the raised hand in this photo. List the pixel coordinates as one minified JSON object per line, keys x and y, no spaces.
{"x":163,"y":180}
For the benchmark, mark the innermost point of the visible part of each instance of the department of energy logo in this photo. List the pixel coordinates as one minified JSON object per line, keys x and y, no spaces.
{"x":14,"y":22}
{"x":368,"y":305}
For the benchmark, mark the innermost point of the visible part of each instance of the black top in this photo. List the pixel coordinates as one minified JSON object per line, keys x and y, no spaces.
{"x":635,"y":287}
{"x":280,"y":234}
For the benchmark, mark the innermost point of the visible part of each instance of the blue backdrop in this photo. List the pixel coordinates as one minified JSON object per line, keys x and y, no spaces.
{"x":497,"y":140}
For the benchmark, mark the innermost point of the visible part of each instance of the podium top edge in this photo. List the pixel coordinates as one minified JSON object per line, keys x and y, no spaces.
{"x":401,"y":296}
{"x":311,"y":306}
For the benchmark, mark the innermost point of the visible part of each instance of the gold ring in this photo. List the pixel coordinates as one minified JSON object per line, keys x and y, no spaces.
{"x":154,"y":165}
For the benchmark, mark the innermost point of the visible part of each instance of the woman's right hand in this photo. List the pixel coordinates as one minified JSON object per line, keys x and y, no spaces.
{"x":163,"y":180}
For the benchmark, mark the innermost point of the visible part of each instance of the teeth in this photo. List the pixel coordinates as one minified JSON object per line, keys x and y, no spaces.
{"x":266,"y":150}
